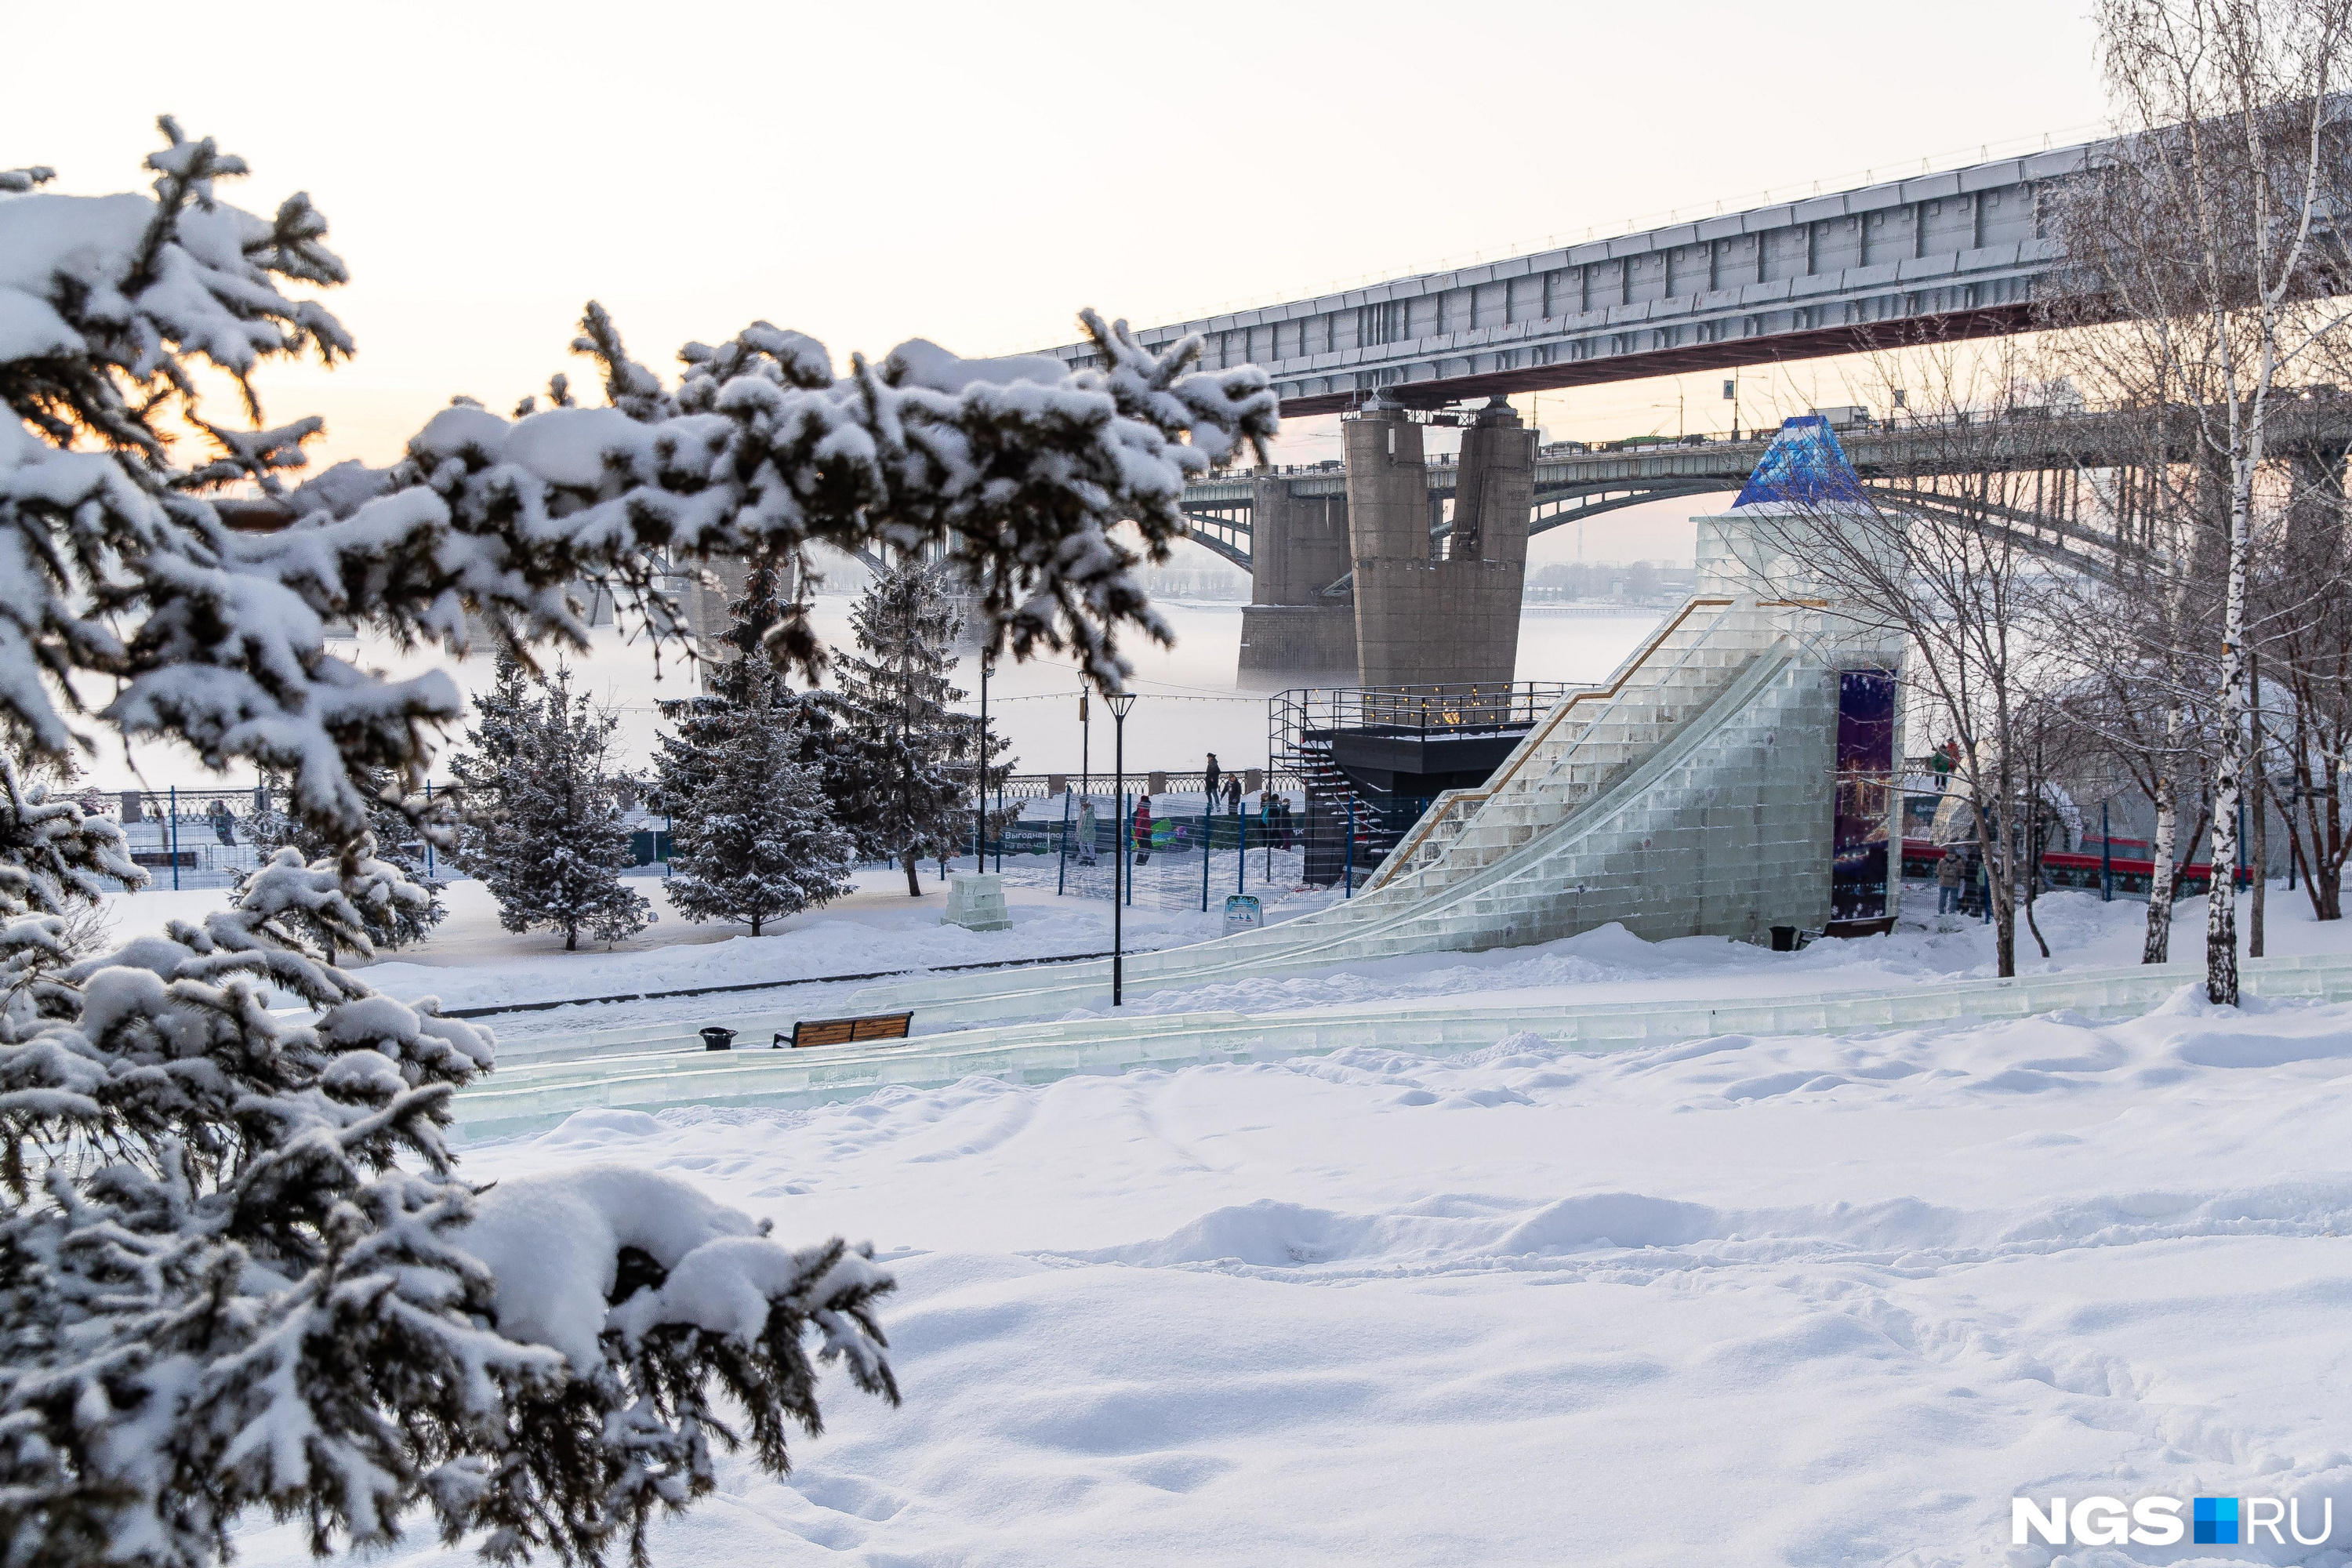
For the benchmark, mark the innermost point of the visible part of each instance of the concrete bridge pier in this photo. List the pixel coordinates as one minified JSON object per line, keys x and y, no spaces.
{"x":1432,"y":611}
{"x":1298,"y":547}
{"x":1494,"y":495}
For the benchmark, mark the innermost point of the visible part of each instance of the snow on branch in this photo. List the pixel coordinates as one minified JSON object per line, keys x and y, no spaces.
{"x":116,"y":562}
{"x":237,"y":1268}
{"x":1019,"y":467}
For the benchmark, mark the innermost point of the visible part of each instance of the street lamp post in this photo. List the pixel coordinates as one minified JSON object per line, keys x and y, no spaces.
{"x":2106,"y":859}
{"x":980,"y":781}
{"x":1118,"y":702}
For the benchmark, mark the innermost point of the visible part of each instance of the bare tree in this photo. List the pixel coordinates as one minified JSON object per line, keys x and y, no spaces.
{"x":2303,"y":625}
{"x":1944,"y":549}
{"x":2200,"y":231}
{"x":2140,"y":687}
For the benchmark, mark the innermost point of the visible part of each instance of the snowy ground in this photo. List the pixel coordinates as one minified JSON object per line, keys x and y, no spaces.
{"x":1609,"y":965}
{"x":1739,"y":1301}
{"x":468,"y":961}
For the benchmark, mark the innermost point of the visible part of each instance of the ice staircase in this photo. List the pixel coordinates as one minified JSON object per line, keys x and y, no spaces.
{"x":1582,"y":746}
{"x":1693,"y":793}
{"x":1583,"y":824}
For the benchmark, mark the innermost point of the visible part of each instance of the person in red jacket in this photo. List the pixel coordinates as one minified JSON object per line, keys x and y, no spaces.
{"x":1142,"y":829}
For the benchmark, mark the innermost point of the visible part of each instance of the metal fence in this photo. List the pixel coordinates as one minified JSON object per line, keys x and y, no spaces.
{"x":191,"y":849}
{"x":1144,"y":781}
{"x":1192,"y":860}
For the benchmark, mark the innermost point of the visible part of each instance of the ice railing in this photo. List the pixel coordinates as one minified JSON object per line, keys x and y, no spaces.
{"x":529,"y":1096}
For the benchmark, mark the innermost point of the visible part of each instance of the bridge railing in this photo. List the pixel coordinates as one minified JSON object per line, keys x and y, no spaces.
{"x":1425,"y":709}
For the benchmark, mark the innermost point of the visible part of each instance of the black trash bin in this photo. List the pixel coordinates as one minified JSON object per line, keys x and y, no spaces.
{"x":1784,"y":940}
{"x":714,"y":1038}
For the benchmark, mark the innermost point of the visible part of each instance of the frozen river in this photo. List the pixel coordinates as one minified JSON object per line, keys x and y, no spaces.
{"x":1186,"y":701}
{"x":1187,"y":704}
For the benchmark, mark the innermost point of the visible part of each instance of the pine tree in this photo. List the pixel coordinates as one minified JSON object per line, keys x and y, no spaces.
{"x":913,"y":799}
{"x":823,"y":737}
{"x":752,"y":835}
{"x":550,"y":842}
{"x":238,"y":1267}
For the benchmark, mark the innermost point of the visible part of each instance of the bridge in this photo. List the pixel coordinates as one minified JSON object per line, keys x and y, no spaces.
{"x":1393,"y":568}
{"x":1396,"y":568}
{"x":1958,"y":254}
{"x":1571,"y":483}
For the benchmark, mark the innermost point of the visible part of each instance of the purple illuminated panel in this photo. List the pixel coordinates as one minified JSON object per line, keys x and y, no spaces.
{"x":1866,"y":778}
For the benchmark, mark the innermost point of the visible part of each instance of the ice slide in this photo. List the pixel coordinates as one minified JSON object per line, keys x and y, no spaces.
{"x":1691,"y":793}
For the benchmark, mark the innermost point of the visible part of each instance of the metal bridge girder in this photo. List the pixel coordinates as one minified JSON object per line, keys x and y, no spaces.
{"x":1223,"y":527}
{"x":1950,"y":253}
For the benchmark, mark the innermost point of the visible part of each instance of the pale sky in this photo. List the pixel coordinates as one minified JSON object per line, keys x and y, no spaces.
{"x":976,"y":174}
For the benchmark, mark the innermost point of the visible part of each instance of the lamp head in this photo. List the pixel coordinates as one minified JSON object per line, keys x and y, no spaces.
{"x":1118,"y":702}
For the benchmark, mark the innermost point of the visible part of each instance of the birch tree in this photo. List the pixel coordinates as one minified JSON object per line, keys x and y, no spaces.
{"x":1942,"y":549}
{"x":2201,"y":231}
{"x":2141,"y":678}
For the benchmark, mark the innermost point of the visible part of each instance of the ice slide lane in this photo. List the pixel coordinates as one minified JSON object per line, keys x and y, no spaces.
{"x":1687,"y":694}
{"x":531,"y":1098}
{"x":1685,"y":701}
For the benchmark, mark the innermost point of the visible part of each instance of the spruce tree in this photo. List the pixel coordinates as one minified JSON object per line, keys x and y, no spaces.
{"x":398,"y":910}
{"x":490,"y":763}
{"x":914,"y":799}
{"x":752,"y":835}
{"x":548,"y":837}
{"x":238,"y":1269}
{"x":823,"y":736}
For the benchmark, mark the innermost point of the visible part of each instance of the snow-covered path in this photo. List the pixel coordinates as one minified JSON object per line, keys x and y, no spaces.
{"x":1740,"y":1301}
{"x":468,"y":961}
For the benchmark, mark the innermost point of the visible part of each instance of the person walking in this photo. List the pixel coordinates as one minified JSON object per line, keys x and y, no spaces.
{"x":1951,"y":878}
{"x":1143,"y":830}
{"x":1086,"y":833}
{"x":1232,"y":792}
{"x":1210,"y":787}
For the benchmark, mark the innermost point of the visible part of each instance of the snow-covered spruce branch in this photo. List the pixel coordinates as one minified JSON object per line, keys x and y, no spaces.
{"x":238,"y":1270}
{"x":1019,"y":468}
{"x":238,"y":1267}
{"x":112,"y":564}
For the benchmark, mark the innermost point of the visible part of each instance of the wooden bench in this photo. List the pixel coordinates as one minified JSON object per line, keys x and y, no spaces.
{"x":847,"y":1031}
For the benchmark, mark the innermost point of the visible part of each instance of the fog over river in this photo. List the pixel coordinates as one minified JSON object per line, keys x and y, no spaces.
{"x":1187,"y":703}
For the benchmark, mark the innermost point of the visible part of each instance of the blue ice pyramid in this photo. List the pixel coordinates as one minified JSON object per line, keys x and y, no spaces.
{"x":1803,"y":466}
